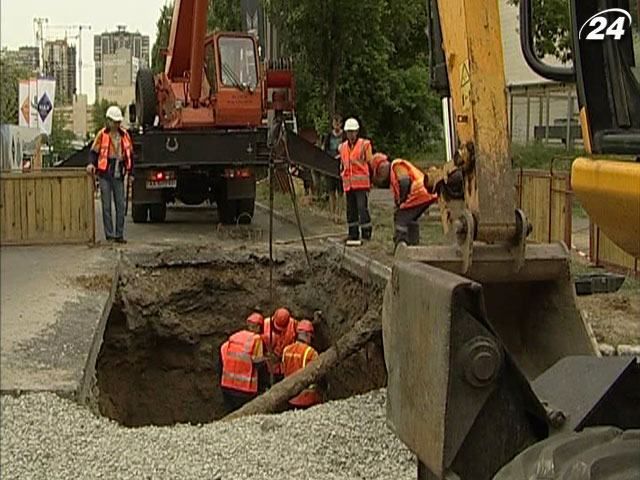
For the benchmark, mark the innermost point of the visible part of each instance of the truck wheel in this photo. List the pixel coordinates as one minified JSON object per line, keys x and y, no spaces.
{"x":146,"y":103}
{"x":599,"y":453}
{"x":245,"y":209}
{"x":139,"y":213}
{"x":158,"y":212}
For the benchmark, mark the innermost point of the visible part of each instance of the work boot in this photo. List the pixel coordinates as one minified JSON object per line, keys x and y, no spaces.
{"x":366,"y":233}
{"x":120,"y":240}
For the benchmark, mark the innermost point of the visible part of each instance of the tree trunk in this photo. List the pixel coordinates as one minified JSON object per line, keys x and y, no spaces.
{"x":364,"y":330}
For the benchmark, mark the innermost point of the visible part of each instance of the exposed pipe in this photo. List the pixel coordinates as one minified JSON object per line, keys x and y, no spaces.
{"x":197,"y":50}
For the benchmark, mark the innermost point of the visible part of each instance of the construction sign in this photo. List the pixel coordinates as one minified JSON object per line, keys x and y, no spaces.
{"x":36,"y":101}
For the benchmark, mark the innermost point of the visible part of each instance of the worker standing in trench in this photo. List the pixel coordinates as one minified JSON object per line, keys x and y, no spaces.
{"x":279,"y":332}
{"x":355,"y":159}
{"x":111,"y":156}
{"x":297,"y":356}
{"x":242,"y":364}
{"x":410,"y":194}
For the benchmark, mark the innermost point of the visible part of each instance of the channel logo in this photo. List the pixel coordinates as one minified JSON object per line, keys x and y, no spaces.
{"x":612,"y":22}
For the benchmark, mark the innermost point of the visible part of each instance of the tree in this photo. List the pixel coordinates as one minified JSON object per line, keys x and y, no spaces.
{"x":60,"y":139}
{"x":163,"y":29}
{"x":366,"y":59}
{"x":224,"y":15}
{"x":10,"y":75}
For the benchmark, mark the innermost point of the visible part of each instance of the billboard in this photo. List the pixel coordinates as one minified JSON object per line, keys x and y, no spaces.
{"x":35,"y":103}
{"x":24,"y":104}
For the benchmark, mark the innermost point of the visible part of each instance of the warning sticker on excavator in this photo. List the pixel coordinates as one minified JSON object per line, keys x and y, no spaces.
{"x":465,"y":85}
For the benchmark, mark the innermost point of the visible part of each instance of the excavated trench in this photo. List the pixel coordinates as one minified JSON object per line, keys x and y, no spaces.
{"x":158,"y":364}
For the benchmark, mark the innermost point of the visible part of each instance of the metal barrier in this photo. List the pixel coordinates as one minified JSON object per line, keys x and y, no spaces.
{"x":47,"y":207}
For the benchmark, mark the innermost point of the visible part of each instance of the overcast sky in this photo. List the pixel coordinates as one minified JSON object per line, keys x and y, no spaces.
{"x":17,"y":29}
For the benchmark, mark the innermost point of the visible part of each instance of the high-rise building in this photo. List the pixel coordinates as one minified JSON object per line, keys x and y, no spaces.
{"x":60,"y":63}
{"x":118,"y":56}
{"x":26,"y":57}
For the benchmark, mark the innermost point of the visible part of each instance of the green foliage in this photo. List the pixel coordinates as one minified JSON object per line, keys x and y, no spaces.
{"x":60,"y":138}
{"x":224,"y":15}
{"x":551,"y":28}
{"x":163,"y":29}
{"x":10,"y":76}
{"x":362,"y":59}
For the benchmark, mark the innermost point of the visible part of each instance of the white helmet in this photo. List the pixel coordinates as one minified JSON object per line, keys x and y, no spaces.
{"x":114,"y":113}
{"x":351,"y":125}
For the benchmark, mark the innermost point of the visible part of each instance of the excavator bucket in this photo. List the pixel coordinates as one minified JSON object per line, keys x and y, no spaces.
{"x":462,"y":351}
{"x":532,"y":309}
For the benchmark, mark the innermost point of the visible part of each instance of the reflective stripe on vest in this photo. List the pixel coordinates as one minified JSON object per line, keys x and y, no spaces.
{"x":418,"y":195}
{"x":278,"y":341}
{"x":355,"y":169}
{"x":105,"y":145}
{"x":238,"y":371}
{"x":294,"y":358}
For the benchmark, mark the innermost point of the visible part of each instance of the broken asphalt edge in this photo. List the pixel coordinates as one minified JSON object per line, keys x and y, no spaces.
{"x":88,"y":380}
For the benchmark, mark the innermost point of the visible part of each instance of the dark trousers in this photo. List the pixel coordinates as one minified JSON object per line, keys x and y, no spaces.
{"x":407,"y":228}
{"x":358,"y":217}
{"x":112,"y":188}
{"x":234,"y":400}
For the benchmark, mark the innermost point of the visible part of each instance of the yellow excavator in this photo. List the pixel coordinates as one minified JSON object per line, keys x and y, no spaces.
{"x":492,"y":371}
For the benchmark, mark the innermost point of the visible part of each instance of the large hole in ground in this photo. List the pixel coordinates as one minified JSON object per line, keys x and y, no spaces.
{"x":158,"y":364}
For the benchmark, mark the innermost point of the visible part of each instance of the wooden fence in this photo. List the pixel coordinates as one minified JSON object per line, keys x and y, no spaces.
{"x":545,"y":197}
{"x":47,"y":207}
{"x":603,"y":252}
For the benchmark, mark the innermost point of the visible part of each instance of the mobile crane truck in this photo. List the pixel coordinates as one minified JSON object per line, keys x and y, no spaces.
{"x":492,"y":372}
{"x":203,"y":121}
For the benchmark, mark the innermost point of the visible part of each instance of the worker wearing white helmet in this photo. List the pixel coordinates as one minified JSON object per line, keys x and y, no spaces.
{"x":355,"y":160}
{"x":111,"y":157}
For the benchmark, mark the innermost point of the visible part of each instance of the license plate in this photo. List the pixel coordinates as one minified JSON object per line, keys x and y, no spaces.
{"x":156,"y":184}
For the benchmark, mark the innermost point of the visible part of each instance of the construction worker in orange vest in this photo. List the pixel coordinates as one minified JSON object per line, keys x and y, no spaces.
{"x":355,"y":160}
{"x":111,"y":157}
{"x":410,"y":194}
{"x":297,"y":356}
{"x":241,"y":359}
{"x":277,"y":338}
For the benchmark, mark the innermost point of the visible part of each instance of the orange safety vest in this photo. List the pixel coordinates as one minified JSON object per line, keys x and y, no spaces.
{"x":238,"y":371}
{"x":279,"y":341}
{"x":355,"y":169}
{"x":295,"y":357}
{"x":105,"y":148}
{"x":418,"y":195}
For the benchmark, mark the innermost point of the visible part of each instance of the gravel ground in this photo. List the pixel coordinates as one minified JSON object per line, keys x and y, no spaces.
{"x":45,"y":436}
